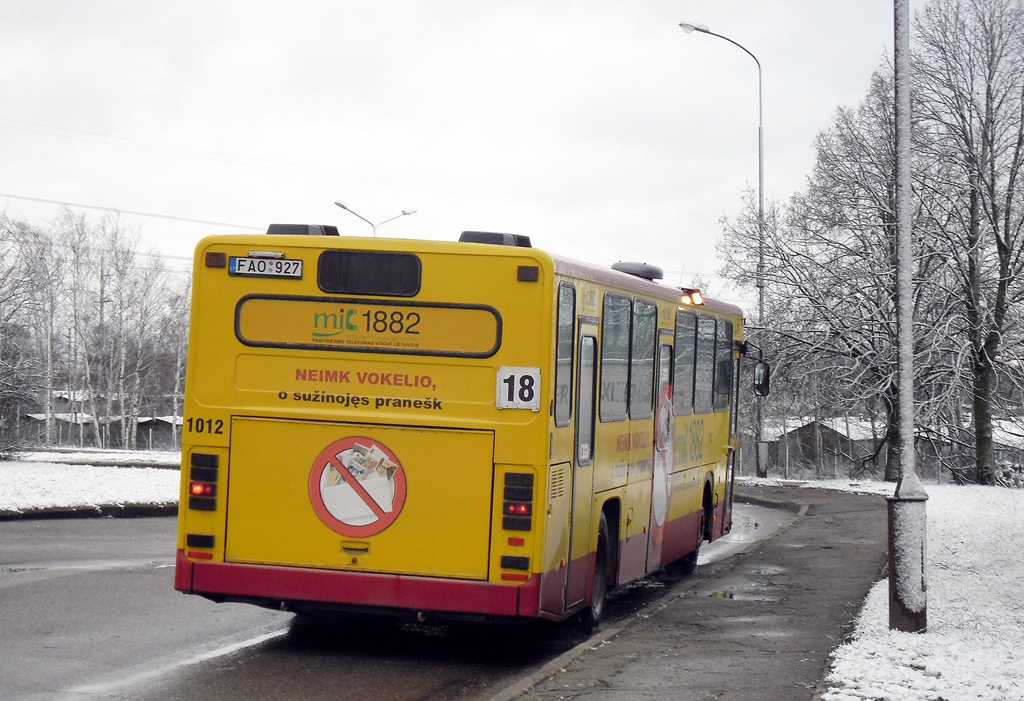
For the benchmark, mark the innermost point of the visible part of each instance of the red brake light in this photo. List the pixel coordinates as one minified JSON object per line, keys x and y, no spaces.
{"x":202,"y":489}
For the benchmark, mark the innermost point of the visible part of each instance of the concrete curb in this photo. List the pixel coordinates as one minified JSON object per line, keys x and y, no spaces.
{"x":757,"y":500}
{"x":93,"y":511}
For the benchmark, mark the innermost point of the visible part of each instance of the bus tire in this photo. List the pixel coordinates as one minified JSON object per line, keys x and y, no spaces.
{"x":688,"y":564}
{"x":591,"y":615}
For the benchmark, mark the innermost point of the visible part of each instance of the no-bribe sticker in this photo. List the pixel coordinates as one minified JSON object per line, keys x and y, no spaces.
{"x":357,"y":486}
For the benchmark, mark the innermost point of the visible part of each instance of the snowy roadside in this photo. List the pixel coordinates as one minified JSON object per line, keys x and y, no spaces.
{"x":48,"y":481}
{"x":971,"y":649}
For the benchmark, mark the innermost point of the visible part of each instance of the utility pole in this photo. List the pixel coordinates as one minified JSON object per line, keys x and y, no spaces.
{"x":908,"y":522}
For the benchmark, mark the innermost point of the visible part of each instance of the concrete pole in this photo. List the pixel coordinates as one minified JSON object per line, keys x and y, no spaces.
{"x":908,"y":523}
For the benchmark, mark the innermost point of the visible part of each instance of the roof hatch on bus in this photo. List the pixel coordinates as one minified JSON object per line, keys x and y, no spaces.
{"x":640,"y":270}
{"x":303,"y":229}
{"x":495,"y":239}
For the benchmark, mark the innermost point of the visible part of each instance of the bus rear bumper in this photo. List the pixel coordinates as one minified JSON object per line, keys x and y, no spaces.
{"x":294,"y":587}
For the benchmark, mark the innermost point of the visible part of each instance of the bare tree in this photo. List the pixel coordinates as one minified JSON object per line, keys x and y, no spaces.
{"x":830,"y":270}
{"x":17,"y":366}
{"x":84,"y":312}
{"x":174,"y":344}
{"x":74,"y":236}
{"x":141,"y":292}
{"x":970,"y":68}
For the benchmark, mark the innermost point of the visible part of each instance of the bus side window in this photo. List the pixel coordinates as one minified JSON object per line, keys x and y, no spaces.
{"x":563,"y":353}
{"x":641,"y":360}
{"x":704,"y":375}
{"x":686,"y":351}
{"x":585,"y":417}
{"x":615,"y":357}
{"x":723,"y":365}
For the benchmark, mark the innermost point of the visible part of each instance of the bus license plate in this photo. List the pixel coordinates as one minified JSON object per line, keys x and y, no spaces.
{"x":265,"y":267}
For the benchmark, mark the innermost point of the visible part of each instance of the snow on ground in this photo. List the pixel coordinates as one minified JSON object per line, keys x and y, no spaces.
{"x":971,"y":649}
{"x":126,"y":458}
{"x":975,"y":575}
{"x":49,"y":480}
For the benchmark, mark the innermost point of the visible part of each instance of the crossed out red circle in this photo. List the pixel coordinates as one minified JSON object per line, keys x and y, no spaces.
{"x":329,"y":456}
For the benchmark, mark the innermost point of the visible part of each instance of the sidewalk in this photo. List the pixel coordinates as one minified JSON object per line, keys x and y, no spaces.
{"x":759,"y":626}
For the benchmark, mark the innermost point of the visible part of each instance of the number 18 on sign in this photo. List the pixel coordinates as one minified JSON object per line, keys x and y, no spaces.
{"x":518,"y":388}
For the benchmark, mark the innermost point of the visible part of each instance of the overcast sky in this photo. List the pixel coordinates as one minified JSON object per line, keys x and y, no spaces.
{"x":598,"y":128}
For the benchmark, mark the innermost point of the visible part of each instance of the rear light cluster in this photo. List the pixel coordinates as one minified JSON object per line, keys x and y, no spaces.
{"x":517,"y":512}
{"x":517,"y":515}
{"x":204,"y":469}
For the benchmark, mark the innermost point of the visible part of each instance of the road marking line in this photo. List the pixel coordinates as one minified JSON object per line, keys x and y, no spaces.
{"x":149,"y":672}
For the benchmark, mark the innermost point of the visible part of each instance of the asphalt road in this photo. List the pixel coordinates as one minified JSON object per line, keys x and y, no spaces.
{"x":89,"y":603}
{"x":89,"y":611}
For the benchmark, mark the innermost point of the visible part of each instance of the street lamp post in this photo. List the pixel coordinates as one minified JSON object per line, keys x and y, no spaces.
{"x":405,"y":213}
{"x":761,"y":462}
{"x":908,"y":517}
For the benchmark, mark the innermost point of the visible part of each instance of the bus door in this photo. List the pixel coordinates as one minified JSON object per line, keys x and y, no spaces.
{"x":661,"y":473}
{"x":730,"y":469}
{"x":580,"y":520}
{"x":563,"y":446}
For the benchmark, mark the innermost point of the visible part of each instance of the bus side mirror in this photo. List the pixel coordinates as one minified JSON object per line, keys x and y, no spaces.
{"x":762,"y":378}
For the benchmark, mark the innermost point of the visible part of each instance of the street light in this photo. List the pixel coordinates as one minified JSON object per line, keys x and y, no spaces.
{"x":405,"y":213}
{"x":689,"y":27}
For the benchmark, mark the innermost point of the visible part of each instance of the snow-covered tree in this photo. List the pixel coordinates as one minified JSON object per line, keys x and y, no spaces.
{"x":970,"y":83}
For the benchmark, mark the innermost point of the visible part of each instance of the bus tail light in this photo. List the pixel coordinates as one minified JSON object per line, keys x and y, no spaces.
{"x":517,"y":512}
{"x":518,"y":563}
{"x":515,"y":562}
{"x":204,"y":469}
{"x":216,"y":259}
{"x":199,"y":540}
{"x":202,"y":489}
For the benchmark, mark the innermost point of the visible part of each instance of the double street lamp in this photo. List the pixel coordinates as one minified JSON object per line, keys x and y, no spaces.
{"x":703,"y":29}
{"x":405,"y":213}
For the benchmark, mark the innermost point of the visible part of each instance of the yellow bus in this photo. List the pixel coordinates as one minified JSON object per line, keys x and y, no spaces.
{"x":471,"y":430}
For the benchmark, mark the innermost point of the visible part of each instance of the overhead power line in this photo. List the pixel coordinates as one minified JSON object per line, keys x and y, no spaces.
{"x":351,"y":176}
{"x":152,"y":215}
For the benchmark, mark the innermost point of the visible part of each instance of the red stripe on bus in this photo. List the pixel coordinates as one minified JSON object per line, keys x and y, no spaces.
{"x":358,"y":588}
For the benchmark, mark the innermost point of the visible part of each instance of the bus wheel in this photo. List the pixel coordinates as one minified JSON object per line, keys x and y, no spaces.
{"x":590,"y":616}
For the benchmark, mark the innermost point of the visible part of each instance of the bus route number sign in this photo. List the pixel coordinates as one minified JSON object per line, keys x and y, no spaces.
{"x":518,"y":388}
